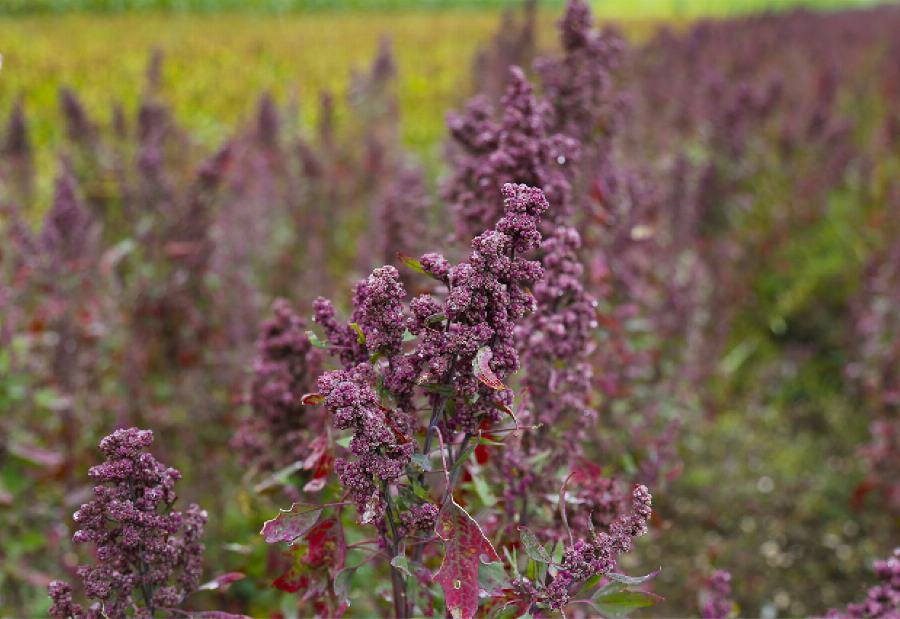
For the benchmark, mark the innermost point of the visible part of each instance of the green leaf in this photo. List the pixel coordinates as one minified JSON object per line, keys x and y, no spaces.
{"x":422,"y":461}
{"x":532,"y":546}
{"x":492,"y":576}
{"x":360,"y":336}
{"x":513,"y":559}
{"x":620,"y":603}
{"x":461,"y":459}
{"x":412,"y":263}
{"x":402,"y":564}
{"x":484,"y":491}
{"x":315,"y":341}
{"x":435,"y":319}
{"x":342,"y":582}
{"x":632,"y":580}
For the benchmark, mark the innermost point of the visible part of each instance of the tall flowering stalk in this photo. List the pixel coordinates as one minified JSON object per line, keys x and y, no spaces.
{"x":448,"y":354}
{"x":148,"y":556}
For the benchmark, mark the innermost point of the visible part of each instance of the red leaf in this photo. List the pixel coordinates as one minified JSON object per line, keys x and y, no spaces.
{"x":481,"y":366}
{"x":326,"y":545}
{"x":586,"y":471}
{"x":292,"y":580}
{"x":464,"y":547}
{"x":290,"y":524}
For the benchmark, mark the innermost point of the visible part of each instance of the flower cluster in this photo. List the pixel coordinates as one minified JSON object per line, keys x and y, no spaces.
{"x":459,"y":341}
{"x":381,"y":448}
{"x":598,"y":556}
{"x":718,"y":603}
{"x":578,"y":83}
{"x":149,"y":556}
{"x":558,"y":337}
{"x":487,"y":298}
{"x":285,"y":368}
{"x":520,"y":148}
{"x":883,"y":600}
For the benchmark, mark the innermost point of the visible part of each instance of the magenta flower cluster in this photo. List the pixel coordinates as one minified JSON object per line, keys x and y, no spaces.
{"x":148,"y":555}
{"x":598,"y":555}
{"x":486,"y":297}
{"x":520,"y":148}
{"x":382,"y":451}
{"x":285,"y":368}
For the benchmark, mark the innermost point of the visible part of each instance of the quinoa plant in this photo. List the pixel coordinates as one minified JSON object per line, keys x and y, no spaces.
{"x":421,"y":385}
{"x":148,"y":555}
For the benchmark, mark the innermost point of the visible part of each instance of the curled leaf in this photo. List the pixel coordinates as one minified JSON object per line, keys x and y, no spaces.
{"x":402,"y":564}
{"x":315,"y":341}
{"x":481,"y":366}
{"x":312,"y":399}
{"x":360,"y":336}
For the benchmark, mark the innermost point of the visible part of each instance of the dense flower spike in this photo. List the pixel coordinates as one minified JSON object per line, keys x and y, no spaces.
{"x":382,"y":451}
{"x":280,"y":430}
{"x":520,"y":149}
{"x":598,"y":556}
{"x":148,"y":556}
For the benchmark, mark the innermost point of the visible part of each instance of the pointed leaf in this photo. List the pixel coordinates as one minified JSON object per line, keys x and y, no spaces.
{"x":464,"y":547}
{"x":402,"y":564}
{"x":622,"y":602}
{"x":290,"y":524}
{"x":492,"y":577}
{"x":533,"y":547}
{"x":412,"y":263}
{"x":633,"y":580}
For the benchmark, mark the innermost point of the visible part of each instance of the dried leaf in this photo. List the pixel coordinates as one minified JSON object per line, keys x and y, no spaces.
{"x":481,"y":366}
{"x":312,"y":399}
{"x":464,"y":547}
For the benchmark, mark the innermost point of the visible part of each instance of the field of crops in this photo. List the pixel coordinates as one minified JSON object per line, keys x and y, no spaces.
{"x":438,"y":312}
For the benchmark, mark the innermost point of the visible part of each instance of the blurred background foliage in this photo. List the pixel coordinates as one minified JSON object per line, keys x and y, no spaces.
{"x":769,"y":474}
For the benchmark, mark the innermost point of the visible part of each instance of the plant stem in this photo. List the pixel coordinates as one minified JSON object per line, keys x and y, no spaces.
{"x":398,"y":583}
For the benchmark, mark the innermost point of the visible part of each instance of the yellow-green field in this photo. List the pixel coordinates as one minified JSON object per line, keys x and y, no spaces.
{"x":216,"y":65}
